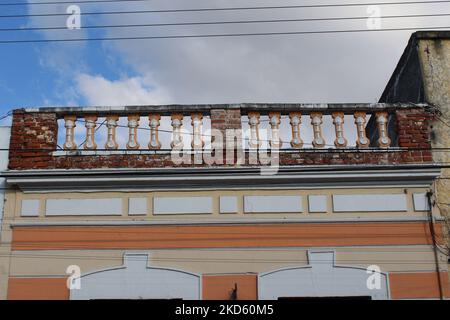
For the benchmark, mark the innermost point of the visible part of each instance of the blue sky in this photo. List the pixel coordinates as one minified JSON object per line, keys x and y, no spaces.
{"x":37,"y":74}
{"x":310,"y":68}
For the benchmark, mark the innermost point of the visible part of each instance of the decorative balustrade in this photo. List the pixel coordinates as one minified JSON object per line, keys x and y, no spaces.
{"x":100,"y":137}
{"x":197,"y":135}
{"x":296,"y":120}
{"x":154,"y":123}
{"x":338,"y":121}
{"x":111,"y":124}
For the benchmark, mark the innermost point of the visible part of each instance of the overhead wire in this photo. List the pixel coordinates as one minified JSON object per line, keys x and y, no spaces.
{"x":220,"y":22}
{"x":212,"y":9}
{"x":220,"y":35}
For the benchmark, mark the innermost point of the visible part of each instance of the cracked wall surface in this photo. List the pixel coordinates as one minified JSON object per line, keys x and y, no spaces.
{"x":423,"y":76}
{"x":435,"y":63}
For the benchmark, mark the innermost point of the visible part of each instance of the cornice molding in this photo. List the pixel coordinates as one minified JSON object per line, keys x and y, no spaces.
{"x":156,"y":179}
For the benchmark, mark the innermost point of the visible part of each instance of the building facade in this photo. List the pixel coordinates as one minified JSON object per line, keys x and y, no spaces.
{"x":134,"y":223}
{"x":242,"y":201}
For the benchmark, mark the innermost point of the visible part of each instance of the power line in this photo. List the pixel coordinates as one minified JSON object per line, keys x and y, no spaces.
{"x":70,"y":241}
{"x":223,"y":35}
{"x":223,"y":22}
{"x":98,"y":187}
{"x":70,"y":2}
{"x":445,"y":123}
{"x":51,"y":228}
{"x":230,"y":8}
{"x":80,"y":1}
{"x":175,"y":230}
{"x":227,"y":260}
{"x":304,"y":150}
{"x":103,"y":187}
{"x":292,"y":150}
{"x":112,"y":187}
{"x":95,"y":130}
{"x":332,"y":146}
{"x":206,"y":135}
{"x":116,"y":236}
{"x":6,"y":115}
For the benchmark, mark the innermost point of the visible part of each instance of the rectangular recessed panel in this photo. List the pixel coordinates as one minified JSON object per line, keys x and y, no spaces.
{"x":137,"y":206}
{"x":269,"y":204}
{"x":317,"y":203}
{"x":30,"y":208}
{"x":228,"y":204}
{"x":420,"y":201}
{"x":369,"y":202}
{"x":83,"y":207}
{"x":182,"y":205}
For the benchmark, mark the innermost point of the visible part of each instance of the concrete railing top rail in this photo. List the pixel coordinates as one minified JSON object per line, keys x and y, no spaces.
{"x":305,"y":108}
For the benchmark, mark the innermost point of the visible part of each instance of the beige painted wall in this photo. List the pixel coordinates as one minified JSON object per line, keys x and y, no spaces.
{"x":14,"y":215}
{"x":205,"y":261}
{"x":221,"y":261}
{"x":5,"y":241}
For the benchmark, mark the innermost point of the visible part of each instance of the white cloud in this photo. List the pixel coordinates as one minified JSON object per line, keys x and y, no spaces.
{"x":297,"y":68}
{"x":129,"y":91}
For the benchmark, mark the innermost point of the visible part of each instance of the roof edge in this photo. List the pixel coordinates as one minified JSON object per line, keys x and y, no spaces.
{"x":206,"y":107}
{"x":432,"y":34}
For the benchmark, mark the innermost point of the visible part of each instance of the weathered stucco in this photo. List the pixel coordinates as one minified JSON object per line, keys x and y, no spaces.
{"x":435,"y":63}
{"x":423,"y":76}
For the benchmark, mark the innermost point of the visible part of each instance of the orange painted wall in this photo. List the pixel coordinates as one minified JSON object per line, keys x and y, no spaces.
{"x":418,"y":285}
{"x":220,"y":236}
{"x":37,"y":289}
{"x":219,"y":287}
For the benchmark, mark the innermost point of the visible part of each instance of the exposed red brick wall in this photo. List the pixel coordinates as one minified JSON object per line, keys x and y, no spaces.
{"x":222,"y":119}
{"x":413,"y":129}
{"x":34,"y":137}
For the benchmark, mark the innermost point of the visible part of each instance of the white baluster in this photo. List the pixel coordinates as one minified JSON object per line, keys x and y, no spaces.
{"x":154,"y":122}
{"x":360,"y":121}
{"x":383,"y":141}
{"x":177,"y":139}
{"x":133,"y":124}
{"x":316,"y":121}
{"x":253,"y":121}
{"x":111,"y":124}
{"x":90,"y":125}
{"x":197,"y":123}
{"x":275,"y":120}
{"x":295,"y":121}
{"x":70,"y":124}
{"x":338,"y":121}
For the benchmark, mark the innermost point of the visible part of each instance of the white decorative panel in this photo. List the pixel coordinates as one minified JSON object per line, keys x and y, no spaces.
{"x":75,"y":207}
{"x":369,"y":202}
{"x":228,"y":204}
{"x":321,"y":278}
{"x":420,"y":201}
{"x":135,"y":280}
{"x":137,"y":206}
{"x":317,"y":203}
{"x":30,"y":208}
{"x":267,"y":204}
{"x":182,"y":205}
